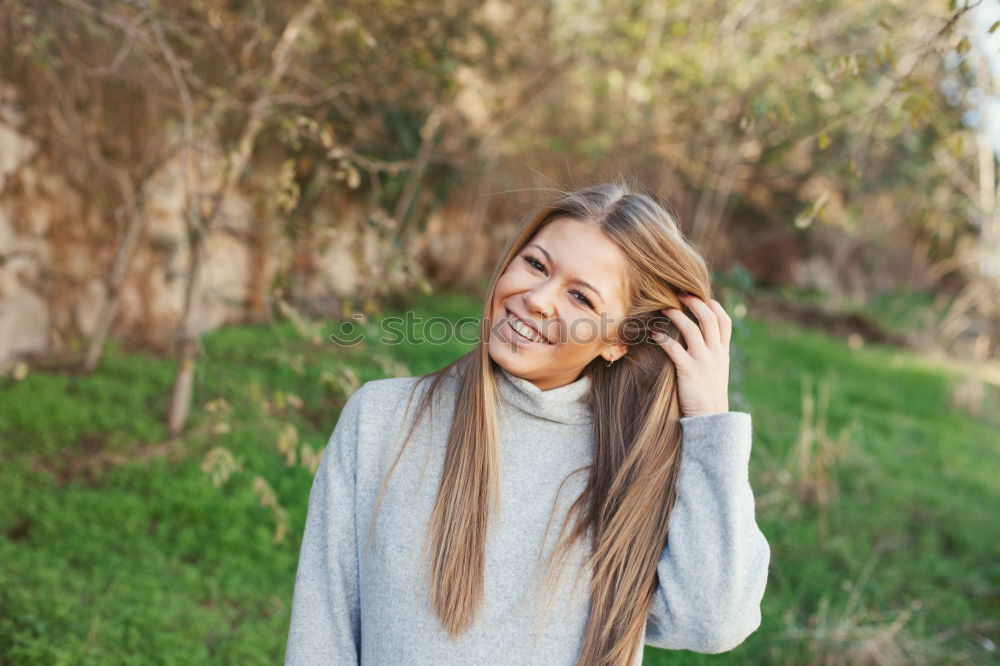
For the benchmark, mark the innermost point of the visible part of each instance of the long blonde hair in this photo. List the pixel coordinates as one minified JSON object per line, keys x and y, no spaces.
{"x":626,"y":504}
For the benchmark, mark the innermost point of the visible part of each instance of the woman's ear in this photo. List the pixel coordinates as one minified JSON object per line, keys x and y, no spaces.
{"x":614,"y":352}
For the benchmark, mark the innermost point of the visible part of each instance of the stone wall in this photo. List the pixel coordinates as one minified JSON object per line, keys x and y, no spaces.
{"x":57,"y":248}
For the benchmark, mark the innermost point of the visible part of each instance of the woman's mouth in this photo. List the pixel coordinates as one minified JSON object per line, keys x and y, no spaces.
{"x":521,"y":333}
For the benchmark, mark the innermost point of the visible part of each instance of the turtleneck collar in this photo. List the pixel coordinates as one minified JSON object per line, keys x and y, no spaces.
{"x":563,"y":404}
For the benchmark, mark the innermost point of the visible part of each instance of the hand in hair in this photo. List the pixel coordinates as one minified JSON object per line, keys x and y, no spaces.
{"x":703,"y":367}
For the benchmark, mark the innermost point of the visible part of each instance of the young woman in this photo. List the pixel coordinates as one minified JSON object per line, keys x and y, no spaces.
{"x":573,"y":407}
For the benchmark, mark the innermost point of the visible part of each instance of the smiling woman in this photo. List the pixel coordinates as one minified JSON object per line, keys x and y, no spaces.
{"x":578,"y":313}
{"x":573,"y":407}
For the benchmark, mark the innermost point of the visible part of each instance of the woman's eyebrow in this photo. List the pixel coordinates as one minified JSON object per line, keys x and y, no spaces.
{"x":575,"y":279}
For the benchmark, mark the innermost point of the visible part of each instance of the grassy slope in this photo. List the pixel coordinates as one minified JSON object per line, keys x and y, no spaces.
{"x":915,"y":501}
{"x":148,"y":562}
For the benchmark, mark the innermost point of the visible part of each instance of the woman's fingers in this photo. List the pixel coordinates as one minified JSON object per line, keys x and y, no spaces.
{"x":674,"y":349}
{"x":698,"y":336}
{"x":693,"y":335}
{"x":725,"y":321}
{"x":702,"y":368}
{"x":708,"y":320}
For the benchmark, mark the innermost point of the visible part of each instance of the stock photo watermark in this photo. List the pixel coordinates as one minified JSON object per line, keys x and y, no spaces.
{"x":413,"y":328}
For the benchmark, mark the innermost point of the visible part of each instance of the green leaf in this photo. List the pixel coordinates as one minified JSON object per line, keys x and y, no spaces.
{"x":957,"y":145}
{"x":823,"y":141}
{"x":963,"y":46}
{"x":993,"y":28}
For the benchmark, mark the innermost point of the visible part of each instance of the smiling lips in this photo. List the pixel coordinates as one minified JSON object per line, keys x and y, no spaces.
{"x":524,"y":329}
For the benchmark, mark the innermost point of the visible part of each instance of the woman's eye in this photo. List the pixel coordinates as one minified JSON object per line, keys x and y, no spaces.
{"x":534,"y":263}
{"x":583,"y":299}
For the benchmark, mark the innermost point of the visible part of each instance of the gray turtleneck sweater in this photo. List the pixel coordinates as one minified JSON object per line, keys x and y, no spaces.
{"x":356,"y":604}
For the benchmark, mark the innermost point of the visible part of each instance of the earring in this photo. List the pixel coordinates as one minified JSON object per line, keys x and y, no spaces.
{"x":608,"y":365}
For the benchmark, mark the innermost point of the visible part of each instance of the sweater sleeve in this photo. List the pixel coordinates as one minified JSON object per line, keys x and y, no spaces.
{"x":713,"y":570}
{"x":326,"y":611}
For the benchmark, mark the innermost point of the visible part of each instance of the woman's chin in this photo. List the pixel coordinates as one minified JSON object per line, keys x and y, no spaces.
{"x":513,"y":357}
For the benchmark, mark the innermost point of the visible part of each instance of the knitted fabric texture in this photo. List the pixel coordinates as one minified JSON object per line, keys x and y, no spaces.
{"x":359,"y":602}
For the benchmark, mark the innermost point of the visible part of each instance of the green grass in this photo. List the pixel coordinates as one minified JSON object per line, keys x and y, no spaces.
{"x":899,"y":311}
{"x":139,"y":558}
{"x":917,"y":498}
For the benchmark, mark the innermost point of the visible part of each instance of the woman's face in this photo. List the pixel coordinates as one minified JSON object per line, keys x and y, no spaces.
{"x":568,"y":284}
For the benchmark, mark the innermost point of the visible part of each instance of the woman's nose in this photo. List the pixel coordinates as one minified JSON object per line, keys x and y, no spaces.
{"x":539,"y":300}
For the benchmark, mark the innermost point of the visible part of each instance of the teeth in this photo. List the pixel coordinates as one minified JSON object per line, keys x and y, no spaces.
{"x":524,"y":330}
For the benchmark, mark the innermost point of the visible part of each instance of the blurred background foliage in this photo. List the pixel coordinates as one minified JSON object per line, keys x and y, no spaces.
{"x":194,"y":195}
{"x":819,"y":144}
